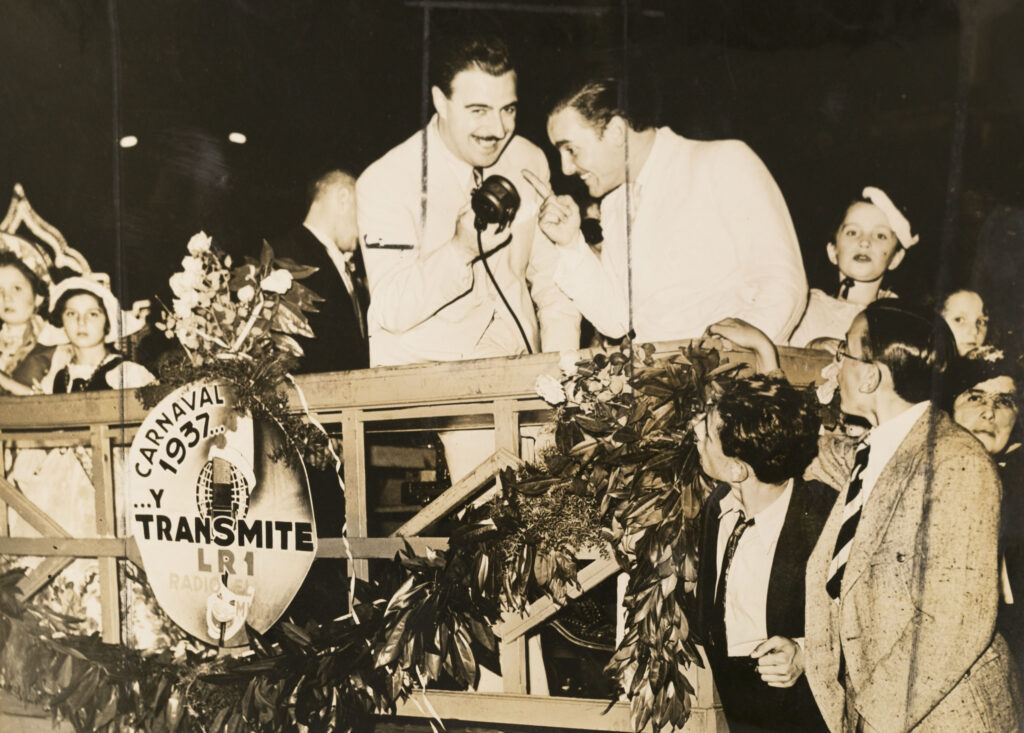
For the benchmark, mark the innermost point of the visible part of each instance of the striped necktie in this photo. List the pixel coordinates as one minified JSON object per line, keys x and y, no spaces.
{"x":851,"y":516}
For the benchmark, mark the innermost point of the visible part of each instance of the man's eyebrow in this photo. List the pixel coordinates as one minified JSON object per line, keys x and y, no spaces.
{"x":561,"y":143}
{"x":479,"y":105}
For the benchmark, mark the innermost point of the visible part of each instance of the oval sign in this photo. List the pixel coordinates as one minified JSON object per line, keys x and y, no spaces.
{"x":226,"y":534}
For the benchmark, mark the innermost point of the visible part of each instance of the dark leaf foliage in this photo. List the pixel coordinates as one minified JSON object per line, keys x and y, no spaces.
{"x":624,"y":476}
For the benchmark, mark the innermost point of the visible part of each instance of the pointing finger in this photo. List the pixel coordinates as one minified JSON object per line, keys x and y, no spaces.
{"x":543,"y":190}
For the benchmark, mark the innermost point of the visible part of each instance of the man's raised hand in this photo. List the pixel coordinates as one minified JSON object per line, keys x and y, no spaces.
{"x":559,"y":217}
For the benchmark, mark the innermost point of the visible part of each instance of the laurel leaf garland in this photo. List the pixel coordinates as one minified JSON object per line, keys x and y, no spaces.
{"x":623,"y":477}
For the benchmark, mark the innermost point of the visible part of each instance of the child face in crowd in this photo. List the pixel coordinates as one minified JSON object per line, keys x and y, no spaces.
{"x":964,"y":311}
{"x":989,"y":411}
{"x":18,"y":302}
{"x":84,"y":320}
{"x":865,"y":247}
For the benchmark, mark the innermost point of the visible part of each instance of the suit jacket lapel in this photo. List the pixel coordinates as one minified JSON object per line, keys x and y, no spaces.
{"x":707,"y":579}
{"x":881,"y":503}
{"x":786,"y":582}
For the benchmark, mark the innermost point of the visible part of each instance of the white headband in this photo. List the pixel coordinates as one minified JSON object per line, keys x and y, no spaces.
{"x":897,"y":222}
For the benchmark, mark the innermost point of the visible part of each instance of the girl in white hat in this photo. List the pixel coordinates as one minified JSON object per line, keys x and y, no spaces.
{"x":871,"y":240}
{"x":90,"y":316}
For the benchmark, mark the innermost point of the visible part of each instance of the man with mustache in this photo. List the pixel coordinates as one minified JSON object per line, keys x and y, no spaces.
{"x":439,"y":290}
{"x":431,"y":296}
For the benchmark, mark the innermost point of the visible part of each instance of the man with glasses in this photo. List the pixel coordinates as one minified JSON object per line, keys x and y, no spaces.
{"x":902,"y":586}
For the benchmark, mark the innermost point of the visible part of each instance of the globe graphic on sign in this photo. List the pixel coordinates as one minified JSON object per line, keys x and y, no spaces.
{"x":222,"y":490}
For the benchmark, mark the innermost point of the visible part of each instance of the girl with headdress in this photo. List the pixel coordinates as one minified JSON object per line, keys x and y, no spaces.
{"x":89,"y":313}
{"x":23,"y":287}
{"x":871,"y":240}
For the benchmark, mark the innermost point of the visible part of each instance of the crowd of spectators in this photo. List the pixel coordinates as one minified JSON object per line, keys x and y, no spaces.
{"x":874,"y":580}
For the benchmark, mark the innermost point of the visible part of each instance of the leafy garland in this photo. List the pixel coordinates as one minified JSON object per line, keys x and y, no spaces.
{"x":624,"y":474}
{"x":623,"y":477}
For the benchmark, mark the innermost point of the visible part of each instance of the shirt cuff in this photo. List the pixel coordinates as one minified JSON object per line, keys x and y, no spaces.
{"x":570,"y":258}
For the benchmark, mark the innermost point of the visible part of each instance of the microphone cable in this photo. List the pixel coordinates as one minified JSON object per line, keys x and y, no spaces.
{"x":487,"y":269}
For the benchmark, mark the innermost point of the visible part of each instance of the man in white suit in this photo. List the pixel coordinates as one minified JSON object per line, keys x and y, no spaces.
{"x":431,"y":298}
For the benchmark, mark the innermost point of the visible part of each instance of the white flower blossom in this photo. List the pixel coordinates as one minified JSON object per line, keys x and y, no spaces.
{"x":827,"y":389}
{"x":567,"y":362}
{"x":193,"y":267}
{"x":279,"y":281}
{"x":246,"y":293}
{"x":550,"y":389}
{"x":186,"y":304}
{"x":199,"y":243}
{"x":178,"y":283}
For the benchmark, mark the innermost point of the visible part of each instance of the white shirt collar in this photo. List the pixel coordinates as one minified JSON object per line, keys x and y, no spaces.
{"x":768,"y":521}
{"x":886,"y":437}
{"x":884,"y":440}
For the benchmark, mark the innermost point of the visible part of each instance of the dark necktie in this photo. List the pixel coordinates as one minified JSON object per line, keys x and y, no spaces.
{"x":478,"y":176}
{"x":360,"y":294}
{"x":851,"y":516}
{"x":844,"y":287}
{"x":718,"y":631}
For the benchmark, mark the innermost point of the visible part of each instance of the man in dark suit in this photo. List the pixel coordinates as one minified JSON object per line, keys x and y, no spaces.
{"x":328,"y":240}
{"x":760,"y":526}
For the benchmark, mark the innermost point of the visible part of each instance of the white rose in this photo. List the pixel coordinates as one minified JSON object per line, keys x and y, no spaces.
{"x":279,"y":281}
{"x":179,"y":284}
{"x":550,"y":389}
{"x":187,"y":303}
{"x":192,"y":266}
{"x":567,"y":362}
{"x":246,"y":293}
{"x":199,"y":243}
{"x":827,"y":389}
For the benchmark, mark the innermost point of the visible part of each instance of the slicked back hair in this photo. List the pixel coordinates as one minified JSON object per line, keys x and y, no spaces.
{"x":599,"y":100}
{"x":915,"y":345}
{"x":486,"y":52}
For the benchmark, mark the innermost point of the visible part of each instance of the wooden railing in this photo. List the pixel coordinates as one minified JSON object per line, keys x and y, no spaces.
{"x":490,"y":393}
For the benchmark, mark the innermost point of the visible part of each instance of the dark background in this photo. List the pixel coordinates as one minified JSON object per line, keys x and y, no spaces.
{"x":923,"y":98}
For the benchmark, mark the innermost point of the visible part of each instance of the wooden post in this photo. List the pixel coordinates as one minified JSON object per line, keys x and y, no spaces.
{"x":5,"y":527}
{"x":353,"y":436}
{"x":516,"y":670}
{"x":102,"y":481}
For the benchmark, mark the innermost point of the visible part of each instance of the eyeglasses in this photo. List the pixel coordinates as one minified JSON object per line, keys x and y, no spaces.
{"x":842,"y":353}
